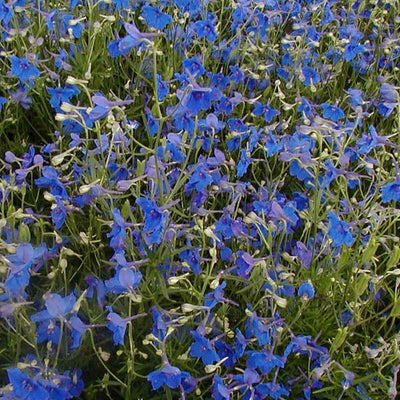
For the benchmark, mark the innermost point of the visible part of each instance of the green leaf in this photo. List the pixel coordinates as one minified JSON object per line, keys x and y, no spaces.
{"x":339,"y":338}
{"x":361,"y":284}
{"x":24,"y":233}
{"x":396,"y":309}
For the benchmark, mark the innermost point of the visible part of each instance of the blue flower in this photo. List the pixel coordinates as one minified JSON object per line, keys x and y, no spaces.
{"x":3,"y":101}
{"x":26,"y":387}
{"x":117,"y":325}
{"x":199,"y":180}
{"x":156,"y":18}
{"x":205,"y":29}
{"x":237,"y":74}
{"x":59,"y":214}
{"x":339,"y":231}
{"x":162,"y":88}
{"x":306,"y":290}
{"x":192,"y":257}
{"x":169,"y":376}
{"x":125,"y":280}
{"x":391,"y":192}
{"x":50,"y":180}
{"x":265,"y":361}
{"x":20,"y":269}
{"x":244,"y":163}
{"x":274,"y":390}
{"x":245,"y":263}
{"x":193,"y":66}
{"x":332,"y":112}
{"x":198,"y":100}
{"x":60,"y":95}
{"x":220,"y":390}
{"x":118,"y":231}
{"x":78,"y":329}
{"x":255,"y":327}
{"x":57,"y":307}
{"x":23,"y":69}
{"x":352,"y":50}
{"x":48,"y":331}
{"x":133,"y":39}
{"x":155,"y":220}
{"x":311,"y":76}
{"x":204,"y":349}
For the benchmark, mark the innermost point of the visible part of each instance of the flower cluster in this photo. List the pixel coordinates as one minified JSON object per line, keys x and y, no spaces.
{"x":199,"y":199}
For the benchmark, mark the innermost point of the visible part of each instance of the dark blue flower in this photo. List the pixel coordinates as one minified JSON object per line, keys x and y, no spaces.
{"x":125,"y":280}
{"x":244,"y":163}
{"x":204,"y":349}
{"x":57,"y":307}
{"x":306,"y":290}
{"x":50,"y":180}
{"x":169,"y":376}
{"x":117,"y":325}
{"x":339,"y":231}
{"x":311,"y":76}
{"x":265,"y":361}
{"x":59,"y":214}
{"x":25,"y":387}
{"x":154,"y":222}
{"x":205,"y":29}
{"x":332,"y":112}
{"x":391,"y":192}
{"x":155,"y":17}
{"x":48,"y":331}
{"x":23,"y":69}
{"x":198,"y":100}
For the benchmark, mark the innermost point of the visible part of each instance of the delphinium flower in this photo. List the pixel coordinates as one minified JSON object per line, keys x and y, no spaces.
{"x":126,"y":279}
{"x":57,"y":309}
{"x":20,"y":267}
{"x":133,"y":39}
{"x":118,"y":232}
{"x":372,"y":140}
{"x":36,"y":381}
{"x":217,"y":296}
{"x":155,"y":17}
{"x":192,"y":257}
{"x":204,"y":349}
{"x":169,"y":376}
{"x":118,"y":325}
{"x":339,"y":231}
{"x":332,"y":112}
{"x":23,"y":69}
{"x":389,"y":99}
{"x":205,"y":29}
{"x":155,"y":220}
{"x":391,"y":191}
{"x":306,"y":290}
{"x":50,"y":179}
